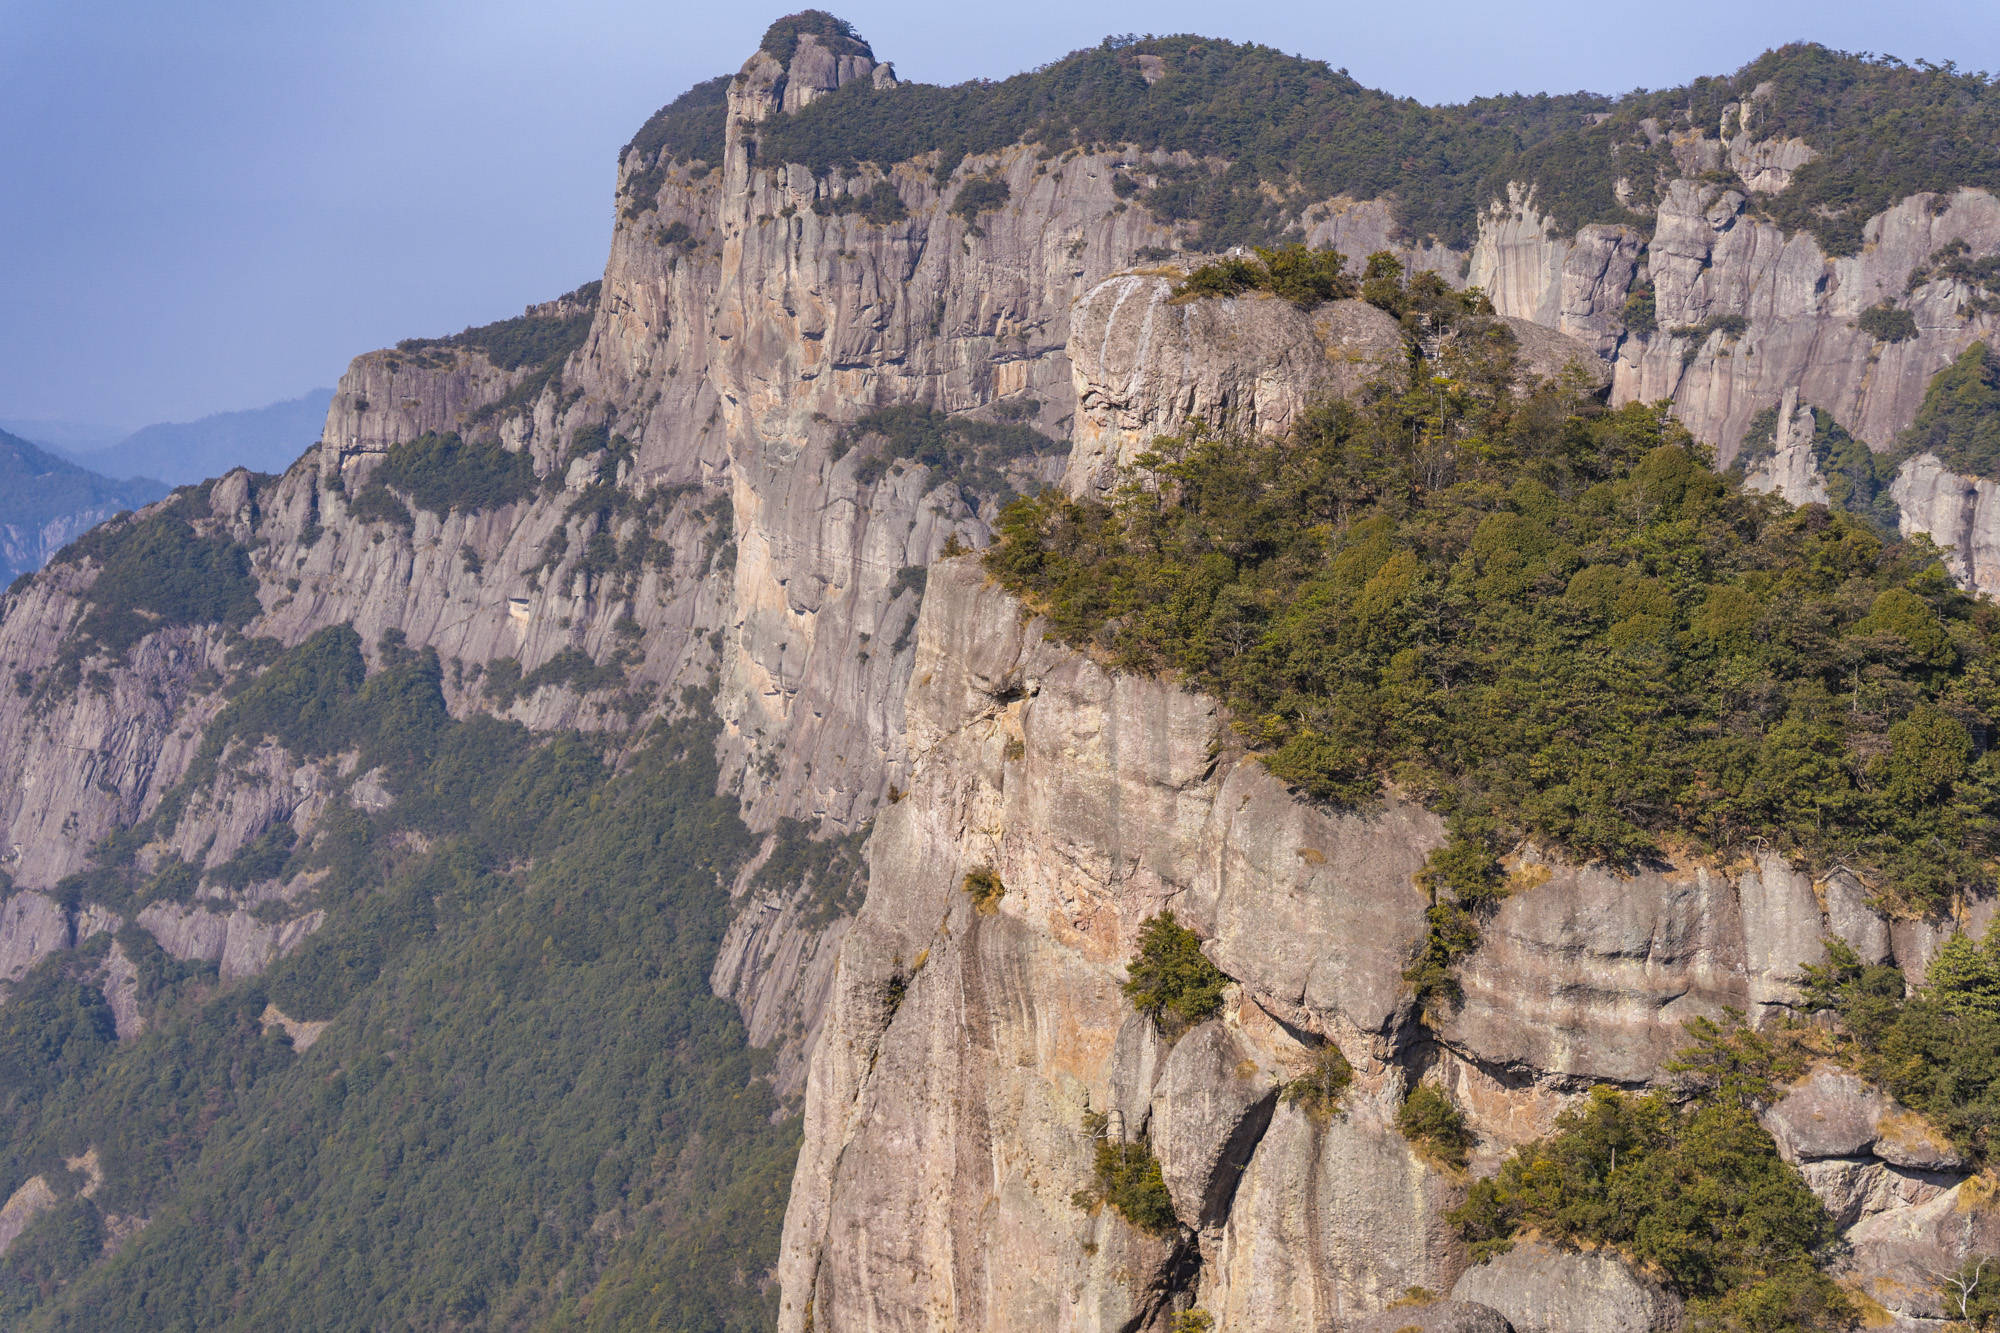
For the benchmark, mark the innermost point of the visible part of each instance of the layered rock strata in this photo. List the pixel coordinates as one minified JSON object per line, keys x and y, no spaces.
{"x":738,"y":336}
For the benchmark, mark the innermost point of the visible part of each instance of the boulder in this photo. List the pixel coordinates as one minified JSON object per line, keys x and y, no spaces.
{"x":1853,"y":1188}
{"x":1436,"y":1317}
{"x":1830,"y":1113}
{"x":1540,"y":1289}
{"x":1906,"y":1139}
{"x":1210,"y":1108}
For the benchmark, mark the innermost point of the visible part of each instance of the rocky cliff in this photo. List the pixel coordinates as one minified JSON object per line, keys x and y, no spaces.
{"x":716,"y":504}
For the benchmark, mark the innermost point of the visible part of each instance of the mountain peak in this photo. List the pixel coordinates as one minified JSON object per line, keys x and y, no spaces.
{"x":837,"y":35}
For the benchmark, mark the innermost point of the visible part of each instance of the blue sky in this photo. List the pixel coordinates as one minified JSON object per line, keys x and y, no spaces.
{"x":214,"y":204}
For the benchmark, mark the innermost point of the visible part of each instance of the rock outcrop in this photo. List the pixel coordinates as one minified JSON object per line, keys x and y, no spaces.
{"x":1540,"y":1289}
{"x":1146,"y":362}
{"x":1957,"y":512}
{"x":962,"y":1061}
{"x":1436,"y":1317}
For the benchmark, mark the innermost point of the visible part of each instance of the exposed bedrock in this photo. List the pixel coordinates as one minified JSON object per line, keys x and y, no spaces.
{"x":946,"y":1110}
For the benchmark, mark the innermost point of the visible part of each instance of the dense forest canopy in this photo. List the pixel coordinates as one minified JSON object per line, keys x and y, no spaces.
{"x":1882,"y":130}
{"x":1554,"y":621}
{"x":532,"y":1109}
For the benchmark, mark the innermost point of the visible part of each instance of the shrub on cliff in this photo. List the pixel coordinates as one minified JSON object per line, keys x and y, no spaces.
{"x":1170,"y":980}
{"x":443,"y":473}
{"x":879,"y":205}
{"x":1429,"y":1120}
{"x":983,"y":458}
{"x":1317,"y":1090}
{"x":1938,"y":1049}
{"x":1959,"y":419}
{"x":981,"y":194}
{"x":1127,"y":1177}
{"x":1887,"y":323}
{"x":1304,"y":277}
{"x":1701,"y":1195}
{"x":1552,"y":618}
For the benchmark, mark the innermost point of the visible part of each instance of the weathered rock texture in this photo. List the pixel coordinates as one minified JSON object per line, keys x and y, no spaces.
{"x":736,"y":338}
{"x":1540,"y":1289}
{"x":1958,"y":512}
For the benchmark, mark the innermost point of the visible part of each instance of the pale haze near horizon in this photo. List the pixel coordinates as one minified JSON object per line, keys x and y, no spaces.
{"x":215,"y":205}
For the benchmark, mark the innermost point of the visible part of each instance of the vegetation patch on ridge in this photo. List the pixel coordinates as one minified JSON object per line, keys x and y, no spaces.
{"x":1697,"y":1193}
{"x":443,"y":473}
{"x":1551,"y":621}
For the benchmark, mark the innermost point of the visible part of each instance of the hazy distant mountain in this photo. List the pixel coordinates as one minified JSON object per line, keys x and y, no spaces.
{"x":46,"y":502}
{"x":68,"y":438}
{"x":263,"y":439}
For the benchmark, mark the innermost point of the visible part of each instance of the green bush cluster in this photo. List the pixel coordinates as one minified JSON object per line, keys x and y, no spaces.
{"x":979,"y":457}
{"x":879,"y":205}
{"x":983,"y":886}
{"x":1547,"y":617}
{"x":1959,"y":419}
{"x":1304,"y":277}
{"x":1463,"y":880}
{"x":1938,"y":1049}
{"x":691,"y":128}
{"x":1697,"y":336}
{"x":1170,"y":979}
{"x":1699,"y":1194}
{"x":981,"y":194}
{"x":1428,"y":1119}
{"x":444,"y":473}
{"x":1127,"y":1177}
{"x":570,"y":668}
{"x":525,"y":340}
{"x":1641,"y":310}
{"x":163,"y":571}
{"x":781,"y":39}
{"x":1887,"y":322}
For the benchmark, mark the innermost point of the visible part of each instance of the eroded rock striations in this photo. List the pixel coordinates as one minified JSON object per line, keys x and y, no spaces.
{"x":765,"y":542}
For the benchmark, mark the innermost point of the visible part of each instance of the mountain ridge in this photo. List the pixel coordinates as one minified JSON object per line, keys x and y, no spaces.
{"x":371,"y":714}
{"x":47,"y":501}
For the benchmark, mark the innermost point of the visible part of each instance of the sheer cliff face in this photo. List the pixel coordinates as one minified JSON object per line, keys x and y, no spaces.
{"x":954,"y":1053}
{"x":947,"y":1128}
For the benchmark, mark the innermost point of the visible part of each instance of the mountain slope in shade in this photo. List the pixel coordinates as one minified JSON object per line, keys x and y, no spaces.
{"x":45,"y":503}
{"x":263,"y":439}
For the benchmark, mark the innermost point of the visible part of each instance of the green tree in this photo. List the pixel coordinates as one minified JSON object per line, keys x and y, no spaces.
{"x":1170,"y":980}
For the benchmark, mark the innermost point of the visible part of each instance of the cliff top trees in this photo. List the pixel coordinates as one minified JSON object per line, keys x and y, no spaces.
{"x":1551,"y":619}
